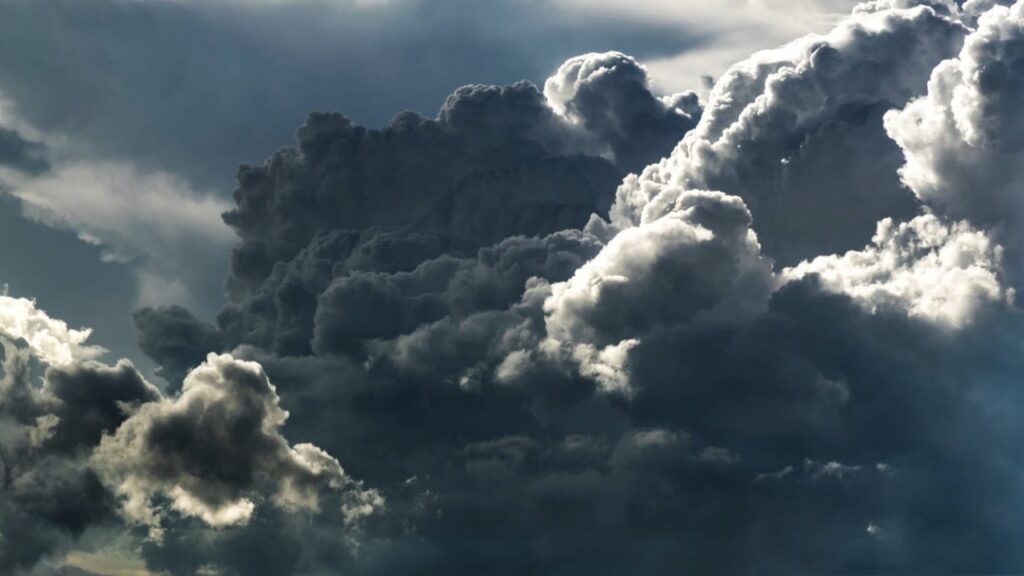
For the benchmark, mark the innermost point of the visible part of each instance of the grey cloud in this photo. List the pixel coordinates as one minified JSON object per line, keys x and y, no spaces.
{"x":175,"y":339}
{"x":498,"y":161}
{"x":82,"y":443}
{"x":214,"y":452}
{"x":646,"y":394}
{"x":48,"y":494}
{"x":22,"y":154}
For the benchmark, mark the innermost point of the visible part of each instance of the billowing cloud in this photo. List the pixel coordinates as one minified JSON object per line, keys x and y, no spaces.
{"x":48,"y":338}
{"x":962,"y":140}
{"x":82,"y":443}
{"x":923,"y":268}
{"x":499,"y":161}
{"x":608,"y":96}
{"x":797,"y":133}
{"x":719,"y":369}
{"x":213,"y":450}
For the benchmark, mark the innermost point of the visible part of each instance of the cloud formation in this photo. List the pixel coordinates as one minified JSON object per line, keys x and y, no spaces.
{"x":796,"y":132}
{"x":212,"y":450}
{"x":962,"y":140}
{"x":761,"y":353}
{"x":764,"y":355}
{"x":81,"y":442}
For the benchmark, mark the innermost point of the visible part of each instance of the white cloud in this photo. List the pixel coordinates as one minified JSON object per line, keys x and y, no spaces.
{"x":923,"y":268}
{"x":962,"y":141}
{"x":49,"y":339}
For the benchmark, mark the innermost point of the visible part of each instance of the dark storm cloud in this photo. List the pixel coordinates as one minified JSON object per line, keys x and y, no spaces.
{"x":49,"y":495}
{"x":82,"y":443}
{"x":499,"y":161}
{"x":651,"y":394}
{"x":522,"y":386}
{"x":113,"y":81}
{"x":175,"y":339}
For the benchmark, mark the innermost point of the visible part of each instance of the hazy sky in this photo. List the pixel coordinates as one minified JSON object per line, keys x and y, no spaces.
{"x":304,"y":287}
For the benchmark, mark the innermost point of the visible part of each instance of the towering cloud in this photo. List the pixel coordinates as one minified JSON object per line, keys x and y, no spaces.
{"x":797,"y":133}
{"x":963,"y":140}
{"x":498,"y":161}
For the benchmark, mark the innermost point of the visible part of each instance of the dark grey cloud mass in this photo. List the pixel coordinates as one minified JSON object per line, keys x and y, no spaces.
{"x":192,"y":89}
{"x":581,"y":329}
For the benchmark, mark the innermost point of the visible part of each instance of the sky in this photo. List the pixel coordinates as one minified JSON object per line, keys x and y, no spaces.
{"x":304,"y":287}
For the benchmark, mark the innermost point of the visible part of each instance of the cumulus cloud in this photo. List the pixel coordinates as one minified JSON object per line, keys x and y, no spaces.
{"x":608,"y":95}
{"x":962,"y":140}
{"x":726,"y":372}
{"x":214,"y":450}
{"x":796,"y":132}
{"x":924,"y":268}
{"x":48,"y":338}
{"x":328,"y":218}
{"x":82,"y":443}
{"x":54,"y":405}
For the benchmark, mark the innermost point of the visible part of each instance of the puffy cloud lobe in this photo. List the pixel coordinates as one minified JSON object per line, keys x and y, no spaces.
{"x":962,"y":141}
{"x":608,"y":96}
{"x":699,"y":263}
{"x":923,"y":268}
{"x":81,"y":441}
{"x":49,"y":496}
{"x":496,"y":162}
{"x":214,"y":451}
{"x":175,"y":339}
{"x":701,"y":258}
{"x":48,"y":338}
{"x":796,"y":132}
